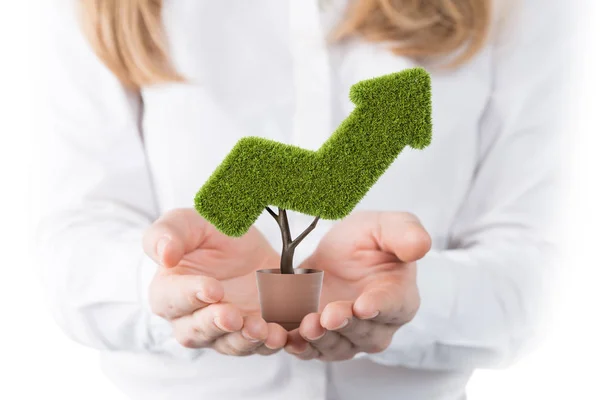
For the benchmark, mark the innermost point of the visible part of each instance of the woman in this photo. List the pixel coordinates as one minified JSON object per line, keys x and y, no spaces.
{"x":146,"y":104}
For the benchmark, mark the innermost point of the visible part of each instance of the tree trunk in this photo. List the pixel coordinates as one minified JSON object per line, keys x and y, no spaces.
{"x":288,"y":244}
{"x":287,"y":260}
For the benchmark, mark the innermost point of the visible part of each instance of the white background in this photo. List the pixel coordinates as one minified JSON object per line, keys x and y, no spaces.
{"x":37,"y":361}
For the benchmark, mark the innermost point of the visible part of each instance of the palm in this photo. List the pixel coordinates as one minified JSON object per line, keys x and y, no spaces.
{"x":354,"y":261}
{"x":232,"y":261}
{"x":369,"y":286}
{"x":348,"y":278}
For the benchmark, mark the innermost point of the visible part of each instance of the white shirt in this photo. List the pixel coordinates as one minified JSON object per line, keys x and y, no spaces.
{"x":115,"y":160}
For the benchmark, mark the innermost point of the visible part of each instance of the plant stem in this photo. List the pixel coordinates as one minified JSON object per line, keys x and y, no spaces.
{"x":304,"y":234}
{"x":288,"y":245}
{"x":287,"y":252}
{"x":272,"y":213}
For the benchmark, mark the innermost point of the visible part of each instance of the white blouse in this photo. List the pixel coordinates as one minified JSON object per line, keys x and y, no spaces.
{"x":114,"y":160}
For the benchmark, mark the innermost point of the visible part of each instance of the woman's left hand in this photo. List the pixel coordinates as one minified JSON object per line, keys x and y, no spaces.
{"x":369,"y":287}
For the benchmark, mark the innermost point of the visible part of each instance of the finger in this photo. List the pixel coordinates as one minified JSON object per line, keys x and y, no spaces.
{"x":310,"y":327}
{"x":368,"y":336}
{"x":174,"y":234}
{"x":276,"y":339}
{"x":244,"y":342}
{"x":330,"y":345}
{"x":206,"y":325}
{"x":401,"y":234}
{"x":388,"y":303}
{"x":333,"y":346}
{"x":277,"y":336}
{"x":363,"y":333}
{"x":299,"y":347}
{"x":336,"y":315}
{"x":172,"y":296}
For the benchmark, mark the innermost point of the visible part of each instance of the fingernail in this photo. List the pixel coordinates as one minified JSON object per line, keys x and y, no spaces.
{"x":162,"y":245}
{"x":219,"y":325}
{"x":376,"y":313}
{"x":318,"y":337}
{"x":248,"y":338}
{"x":269,"y":347}
{"x":294,"y":349}
{"x":343,"y":324}
{"x":206,"y":297}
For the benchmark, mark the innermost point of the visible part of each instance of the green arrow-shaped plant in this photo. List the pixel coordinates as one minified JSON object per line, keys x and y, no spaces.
{"x":391,"y":112}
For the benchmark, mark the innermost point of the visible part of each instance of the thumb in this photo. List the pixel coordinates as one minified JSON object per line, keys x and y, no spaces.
{"x":401,"y":234}
{"x":174,"y":234}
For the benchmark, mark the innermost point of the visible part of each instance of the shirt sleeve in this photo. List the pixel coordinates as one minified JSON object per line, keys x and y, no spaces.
{"x":96,"y":199}
{"x":485,"y":297}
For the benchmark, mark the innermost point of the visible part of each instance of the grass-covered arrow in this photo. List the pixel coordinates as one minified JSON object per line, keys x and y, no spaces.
{"x":391,"y":112}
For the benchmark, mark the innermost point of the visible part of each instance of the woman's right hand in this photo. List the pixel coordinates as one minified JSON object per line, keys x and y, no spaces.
{"x":206,"y":287}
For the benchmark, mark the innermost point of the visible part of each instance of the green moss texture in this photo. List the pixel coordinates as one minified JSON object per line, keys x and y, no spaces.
{"x":392,"y":111}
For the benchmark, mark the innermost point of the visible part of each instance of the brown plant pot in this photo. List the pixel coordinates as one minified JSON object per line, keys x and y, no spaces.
{"x":287,"y":298}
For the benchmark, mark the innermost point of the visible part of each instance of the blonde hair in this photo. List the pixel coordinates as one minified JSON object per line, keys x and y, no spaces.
{"x":128,"y":35}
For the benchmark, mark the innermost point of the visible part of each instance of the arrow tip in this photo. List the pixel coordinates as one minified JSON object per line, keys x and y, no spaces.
{"x":400,"y":94}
